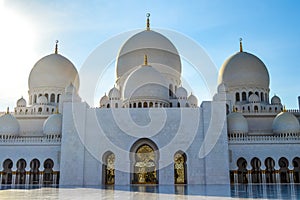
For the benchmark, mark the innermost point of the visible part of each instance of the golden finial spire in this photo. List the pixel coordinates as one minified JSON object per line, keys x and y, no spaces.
{"x":284,"y":109}
{"x":241,"y":45}
{"x":56,"y":47}
{"x":7,"y":110}
{"x":148,"y":22}
{"x":145,"y":60}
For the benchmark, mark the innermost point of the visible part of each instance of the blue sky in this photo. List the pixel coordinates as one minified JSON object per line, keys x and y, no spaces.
{"x":270,"y":30}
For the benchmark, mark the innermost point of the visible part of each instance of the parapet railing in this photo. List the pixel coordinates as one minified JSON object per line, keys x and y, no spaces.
{"x":281,"y":138}
{"x":47,"y":139}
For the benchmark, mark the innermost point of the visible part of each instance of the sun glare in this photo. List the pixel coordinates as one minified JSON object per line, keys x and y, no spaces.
{"x":17,"y":39}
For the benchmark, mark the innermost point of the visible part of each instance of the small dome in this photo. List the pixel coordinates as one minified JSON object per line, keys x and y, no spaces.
{"x":104,"y":100}
{"x":253,"y":98}
{"x":237,"y":123}
{"x":9,"y":125}
{"x":145,"y":83}
{"x":114,"y":93}
{"x":181,"y":93}
{"x":42,"y":100}
{"x":244,"y":69}
{"x":53,"y":70}
{"x":53,"y":125}
{"x":193,"y":101}
{"x":285,"y":122}
{"x":21,"y":102}
{"x":275,"y":100}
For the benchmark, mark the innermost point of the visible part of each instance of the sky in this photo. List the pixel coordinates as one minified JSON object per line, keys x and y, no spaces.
{"x":29,"y":29}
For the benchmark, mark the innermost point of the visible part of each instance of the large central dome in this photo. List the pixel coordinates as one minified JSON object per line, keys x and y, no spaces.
{"x":244,"y":69}
{"x":159,"y":48}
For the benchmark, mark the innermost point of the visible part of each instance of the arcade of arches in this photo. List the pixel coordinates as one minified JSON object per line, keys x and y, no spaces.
{"x":257,"y":175}
{"x":144,"y":166}
{"x":34,"y":176}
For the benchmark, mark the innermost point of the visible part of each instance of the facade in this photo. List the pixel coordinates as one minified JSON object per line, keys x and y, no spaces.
{"x":149,"y":129}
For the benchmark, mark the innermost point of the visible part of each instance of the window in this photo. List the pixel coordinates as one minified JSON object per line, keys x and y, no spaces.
{"x":237,"y":96}
{"x":52,"y":98}
{"x":244,"y":98}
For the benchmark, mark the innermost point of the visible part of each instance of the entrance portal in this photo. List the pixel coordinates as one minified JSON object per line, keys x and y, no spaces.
{"x":144,"y":163}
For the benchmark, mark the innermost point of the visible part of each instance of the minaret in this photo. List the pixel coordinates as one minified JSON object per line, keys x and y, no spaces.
{"x":148,"y":22}
{"x":56,"y":47}
{"x":241,"y":45}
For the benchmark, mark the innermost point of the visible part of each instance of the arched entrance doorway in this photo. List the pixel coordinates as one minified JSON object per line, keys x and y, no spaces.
{"x":144,"y":162}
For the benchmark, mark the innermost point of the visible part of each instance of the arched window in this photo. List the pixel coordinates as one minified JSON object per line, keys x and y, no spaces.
{"x":145,"y":105}
{"x":7,"y":172}
{"x":109,"y":168}
{"x":52,"y":98}
{"x":47,"y":96}
{"x":34,"y":98}
{"x":296,"y":164}
{"x":21,"y":172}
{"x":34,"y":171}
{"x":227,"y":109}
{"x":262,"y":96}
{"x":116,"y":105}
{"x":140,"y":104}
{"x":237,"y":96}
{"x":257,"y":94}
{"x":134,"y":105}
{"x":244,"y":96}
{"x":150,"y":104}
{"x":256,"y":171}
{"x":242,"y":170}
{"x":48,"y":172}
{"x":178,"y":104}
{"x":108,"y":105}
{"x":270,"y":171}
{"x":180,"y":168}
{"x":40,"y":110}
{"x":170,"y":90}
{"x":284,"y":170}
{"x":58,"y":96}
{"x":256,"y":108}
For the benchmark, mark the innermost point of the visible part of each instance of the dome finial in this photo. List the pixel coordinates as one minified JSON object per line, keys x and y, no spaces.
{"x":148,"y":21}
{"x":284,"y":109}
{"x":56,"y":47}
{"x":7,"y":110}
{"x":241,"y":45}
{"x":145,"y":60}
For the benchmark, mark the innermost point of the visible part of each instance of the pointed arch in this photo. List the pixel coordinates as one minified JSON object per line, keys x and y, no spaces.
{"x":242,"y":170}
{"x":284,"y":170}
{"x":108,"y":168}
{"x":7,"y":172}
{"x":21,"y":172}
{"x":48,"y":172}
{"x":270,"y":170}
{"x":180,"y":168}
{"x":144,"y":157}
{"x":256,"y":171}
{"x":34,"y":176}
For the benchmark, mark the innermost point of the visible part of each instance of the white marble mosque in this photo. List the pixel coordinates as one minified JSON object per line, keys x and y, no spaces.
{"x":55,"y":137}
